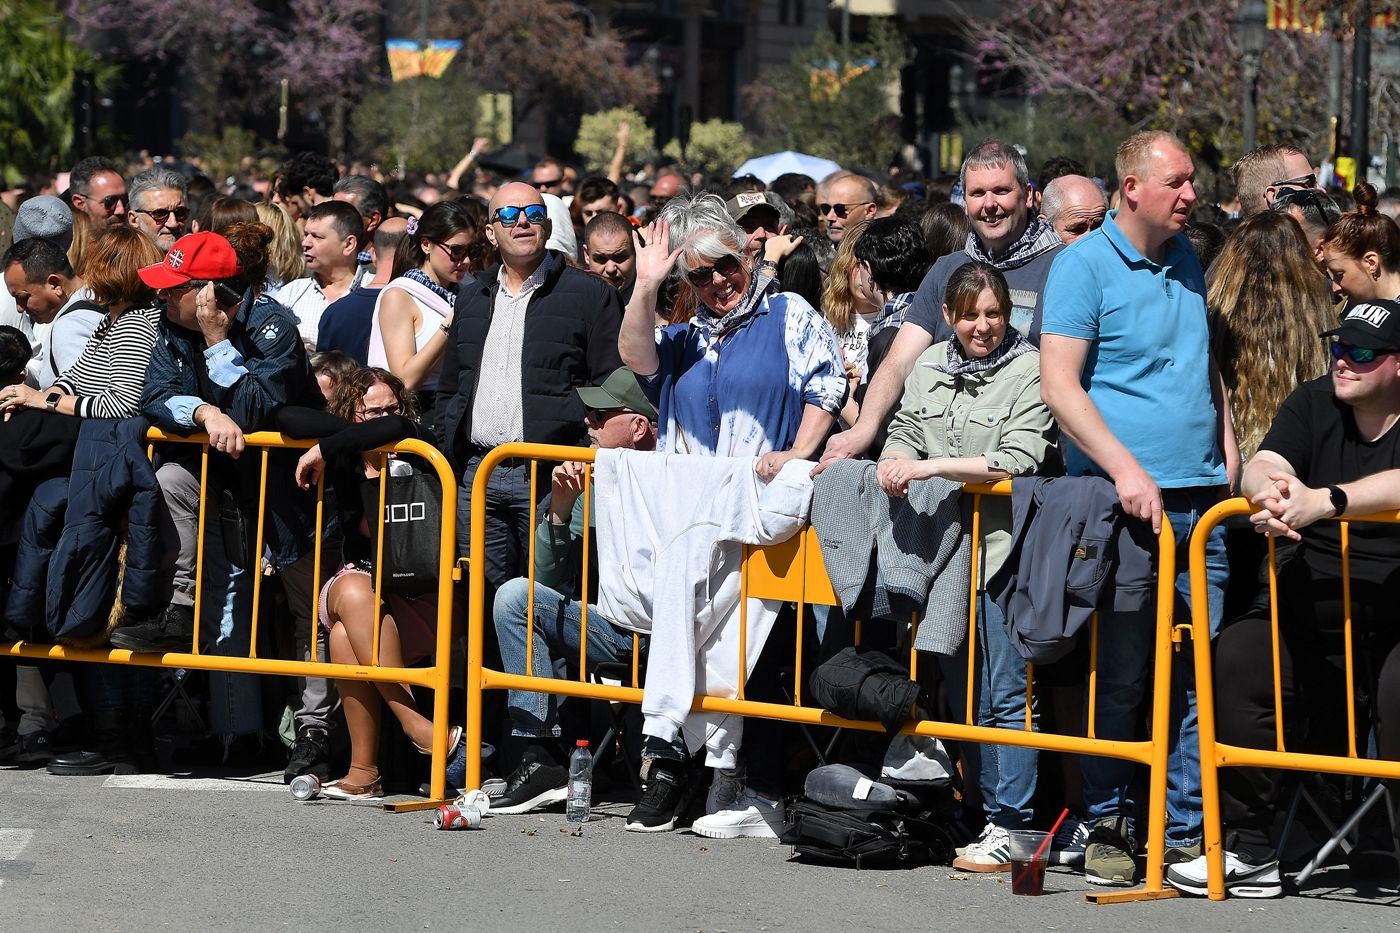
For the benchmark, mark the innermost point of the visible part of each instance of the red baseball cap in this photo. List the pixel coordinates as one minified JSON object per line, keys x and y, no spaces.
{"x":203,"y":255}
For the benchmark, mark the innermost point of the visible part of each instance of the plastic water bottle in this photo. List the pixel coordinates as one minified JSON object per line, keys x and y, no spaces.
{"x":580,"y":784}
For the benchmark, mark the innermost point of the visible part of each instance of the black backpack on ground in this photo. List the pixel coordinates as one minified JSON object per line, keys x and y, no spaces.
{"x":866,"y":838}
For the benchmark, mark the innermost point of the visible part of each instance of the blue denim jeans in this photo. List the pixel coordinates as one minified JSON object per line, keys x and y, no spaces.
{"x":1006,"y":773}
{"x":507,"y":509}
{"x":556,"y":637}
{"x":1124,"y":671}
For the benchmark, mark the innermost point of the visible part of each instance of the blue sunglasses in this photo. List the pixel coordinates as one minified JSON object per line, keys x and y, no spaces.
{"x":1361,"y":355}
{"x":509,"y":216}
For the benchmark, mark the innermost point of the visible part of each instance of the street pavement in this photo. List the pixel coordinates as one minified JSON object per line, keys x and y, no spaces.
{"x":207,"y":853}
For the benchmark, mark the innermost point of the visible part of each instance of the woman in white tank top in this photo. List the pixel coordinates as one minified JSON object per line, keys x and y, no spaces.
{"x":414,"y":311}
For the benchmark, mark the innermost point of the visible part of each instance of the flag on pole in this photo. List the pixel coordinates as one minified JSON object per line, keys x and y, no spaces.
{"x":1311,"y":15}
{"x":409,"y":59}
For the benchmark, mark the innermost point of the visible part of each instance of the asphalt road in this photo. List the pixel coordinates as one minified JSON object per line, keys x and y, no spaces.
{"x":182,"y":853}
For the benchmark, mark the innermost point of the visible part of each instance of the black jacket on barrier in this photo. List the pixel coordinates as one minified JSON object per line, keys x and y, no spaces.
{"x":570,"y":340}
{"x":1072,"y":551}
{"x":66,"y":567}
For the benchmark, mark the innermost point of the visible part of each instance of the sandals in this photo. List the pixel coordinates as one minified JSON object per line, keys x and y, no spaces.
{"x":454,"y":738}
{"x":344,"y":790}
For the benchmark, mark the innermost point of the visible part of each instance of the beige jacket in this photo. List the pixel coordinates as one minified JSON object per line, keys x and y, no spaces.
{"x":997,"y":413}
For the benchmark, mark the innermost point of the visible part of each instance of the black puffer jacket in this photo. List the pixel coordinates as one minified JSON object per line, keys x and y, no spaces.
{"x":570,"y":340}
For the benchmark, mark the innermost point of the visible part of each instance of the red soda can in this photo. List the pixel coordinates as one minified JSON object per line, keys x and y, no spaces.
{"x":454,"y":817}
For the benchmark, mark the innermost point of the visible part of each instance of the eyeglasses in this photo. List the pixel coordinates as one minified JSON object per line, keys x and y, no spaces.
{"x":380,"y":412}
{"x":601,"y":415}
{"x":548,"y":183}
{"x":460,"y":251}
{"x":1302,"y":181}
{"x":724,"y":265}
{"x":1358,"y":355}
{"x":161,"y":215}
{"x":509,"y":216}
{"x":840,"y":210}
{"x":110,"y":202}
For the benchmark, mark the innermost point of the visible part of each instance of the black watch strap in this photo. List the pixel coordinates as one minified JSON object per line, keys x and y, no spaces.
{"x":1339,"y":500}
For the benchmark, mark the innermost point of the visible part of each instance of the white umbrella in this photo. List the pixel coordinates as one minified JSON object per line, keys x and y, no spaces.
{"x":769,"y":167}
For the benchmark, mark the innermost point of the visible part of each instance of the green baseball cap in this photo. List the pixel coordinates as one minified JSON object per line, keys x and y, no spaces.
{"x":620,"y":390}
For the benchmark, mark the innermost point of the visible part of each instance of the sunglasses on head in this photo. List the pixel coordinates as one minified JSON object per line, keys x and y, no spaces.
{"x":1302,"y":181}
{"x":840,"y":210}
{"x":509,"y":216}
{"x":460,"y":251}
{"x":161,"y":215}
{"x":724,"y":265}
{"x":1361,"y":355}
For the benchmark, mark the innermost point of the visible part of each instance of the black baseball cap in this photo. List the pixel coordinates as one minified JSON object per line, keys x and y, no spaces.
{"x":1374,"y":325}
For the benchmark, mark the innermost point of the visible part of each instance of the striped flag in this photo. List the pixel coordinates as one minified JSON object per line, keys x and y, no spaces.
{"x":1310,"y":15}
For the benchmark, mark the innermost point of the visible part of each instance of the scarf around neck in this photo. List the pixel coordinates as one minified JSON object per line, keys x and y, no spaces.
{"x":715,"y":326}
{"x":960,"y":364}
{"x":422,"y":278}
{"x":1037,"y":239}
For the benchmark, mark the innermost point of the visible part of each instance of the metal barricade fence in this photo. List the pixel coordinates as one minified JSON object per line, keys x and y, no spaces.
{"x":1215,"y":754}
{"x":435,"y":677}
{"x":794,"y":572}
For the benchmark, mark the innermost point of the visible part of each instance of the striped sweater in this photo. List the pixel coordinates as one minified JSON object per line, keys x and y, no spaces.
{"x":108,"y":378}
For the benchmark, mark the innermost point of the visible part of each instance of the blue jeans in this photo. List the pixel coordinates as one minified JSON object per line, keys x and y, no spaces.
{"x":507,"y":509}
{"x":1006,"y":773}
{"x":556,"y":637}
{"x":1126,"y":643}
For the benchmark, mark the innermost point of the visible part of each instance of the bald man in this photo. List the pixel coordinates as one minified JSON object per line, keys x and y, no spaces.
{"x":845,"y":200}
{"x":520,"y":341}
{"x":1073,"y":205}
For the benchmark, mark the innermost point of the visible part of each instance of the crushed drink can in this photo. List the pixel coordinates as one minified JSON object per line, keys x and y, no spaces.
{"x":451,"y":816}
{"x":306,"y":787}
{"x":476,"y":799}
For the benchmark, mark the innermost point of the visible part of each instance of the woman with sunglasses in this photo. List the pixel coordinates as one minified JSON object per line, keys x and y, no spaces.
{"x":368,"y":408}
{"x":1361,"y":251}
{"x":757,"y":372}
{"x":411,"y":318}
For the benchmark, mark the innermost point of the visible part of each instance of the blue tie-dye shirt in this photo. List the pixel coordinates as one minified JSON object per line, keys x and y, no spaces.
{"x":744,"y":395}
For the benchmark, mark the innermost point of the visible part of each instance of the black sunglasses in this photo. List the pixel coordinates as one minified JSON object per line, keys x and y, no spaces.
{"x":161,"y":215}
{"x":110,"y":202}
{"x":601,"y":415}
{"x":724,"y":265}
{"x":1302,"y":181}
{"x":509,"y":216}
{"x":1359,"y":355}
{"x":840,"y":210}
{"x":548,"y":183}
{"x":459,"y":251}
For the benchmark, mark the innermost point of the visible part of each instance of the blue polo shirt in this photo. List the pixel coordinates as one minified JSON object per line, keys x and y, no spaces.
{"x":1148,"y":367}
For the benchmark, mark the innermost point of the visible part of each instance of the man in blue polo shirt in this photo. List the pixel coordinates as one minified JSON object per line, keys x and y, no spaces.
{"x":1126,"y":369}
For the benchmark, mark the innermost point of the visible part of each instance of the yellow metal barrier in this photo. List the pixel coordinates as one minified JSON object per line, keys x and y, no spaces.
{"x":436,"y":677}
{"x":794,"y":571}
{"x":1216,"y":755}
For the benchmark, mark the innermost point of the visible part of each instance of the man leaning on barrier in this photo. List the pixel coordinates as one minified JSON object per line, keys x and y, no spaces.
{"x":1332,"y":451}
{"x":619,"y":416}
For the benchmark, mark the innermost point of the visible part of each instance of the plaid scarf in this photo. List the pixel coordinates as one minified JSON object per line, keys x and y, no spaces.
{"x":960,"y":364}
{"x":1037,"y":239}
{"x":422,"y":278}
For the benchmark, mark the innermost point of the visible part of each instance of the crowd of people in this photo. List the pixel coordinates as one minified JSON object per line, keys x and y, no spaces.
{"x":900,"y":336}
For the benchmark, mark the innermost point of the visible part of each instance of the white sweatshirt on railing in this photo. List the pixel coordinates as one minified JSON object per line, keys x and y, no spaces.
{"x":671,"y":530}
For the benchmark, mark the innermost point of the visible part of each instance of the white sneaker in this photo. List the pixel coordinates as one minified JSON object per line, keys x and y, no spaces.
{"x":962,"y":850}
{"x":749,"y":816}
{"x":990,"y":853}
{"x":1242,"y":879}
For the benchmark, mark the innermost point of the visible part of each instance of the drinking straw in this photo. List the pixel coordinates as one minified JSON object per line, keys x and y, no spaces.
{"x":1041,"y":851}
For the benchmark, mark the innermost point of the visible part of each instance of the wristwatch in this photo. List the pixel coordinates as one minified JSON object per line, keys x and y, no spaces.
{"x":1339,"y":500}
{"x":51,"y":400}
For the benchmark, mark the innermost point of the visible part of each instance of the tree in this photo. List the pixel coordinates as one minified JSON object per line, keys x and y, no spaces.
{"x":832,"y":105}
{"x":36,"y":87}
{"x":424,"y":124}
{"x":597,"y":137}
{"x":546,"y":50}
{"x":717,"y":147}
{"x":1173,"y":66}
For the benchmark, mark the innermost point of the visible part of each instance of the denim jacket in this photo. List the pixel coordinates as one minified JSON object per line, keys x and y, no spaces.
{"x":997,"y":413}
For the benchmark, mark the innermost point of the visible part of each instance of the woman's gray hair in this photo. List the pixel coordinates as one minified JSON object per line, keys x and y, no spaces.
{"x":703,"y":230}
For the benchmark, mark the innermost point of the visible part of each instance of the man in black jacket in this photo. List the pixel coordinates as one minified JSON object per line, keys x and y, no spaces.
{"x":523,"y":336}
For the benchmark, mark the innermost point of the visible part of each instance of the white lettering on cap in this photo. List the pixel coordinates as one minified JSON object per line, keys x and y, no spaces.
{"x":1369,"y":314}
{"x":750,"y":198}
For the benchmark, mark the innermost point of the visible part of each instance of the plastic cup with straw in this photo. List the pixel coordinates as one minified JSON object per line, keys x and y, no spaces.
{"x":1029,"y":854}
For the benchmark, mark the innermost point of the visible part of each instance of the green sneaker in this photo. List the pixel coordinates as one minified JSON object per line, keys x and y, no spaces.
{"x":1108,"y":856}
{"x":1180,"y":855}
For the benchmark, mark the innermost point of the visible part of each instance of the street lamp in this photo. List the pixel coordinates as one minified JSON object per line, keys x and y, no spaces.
{"x":1252,"y":28}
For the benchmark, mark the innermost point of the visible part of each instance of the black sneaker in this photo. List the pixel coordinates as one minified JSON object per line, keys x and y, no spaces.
{"x":171,"y":630}
{"x":536,"y":783}
{"x":662,"y":789}
{"x":36,"y":748}
{"x":310,"y":755}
